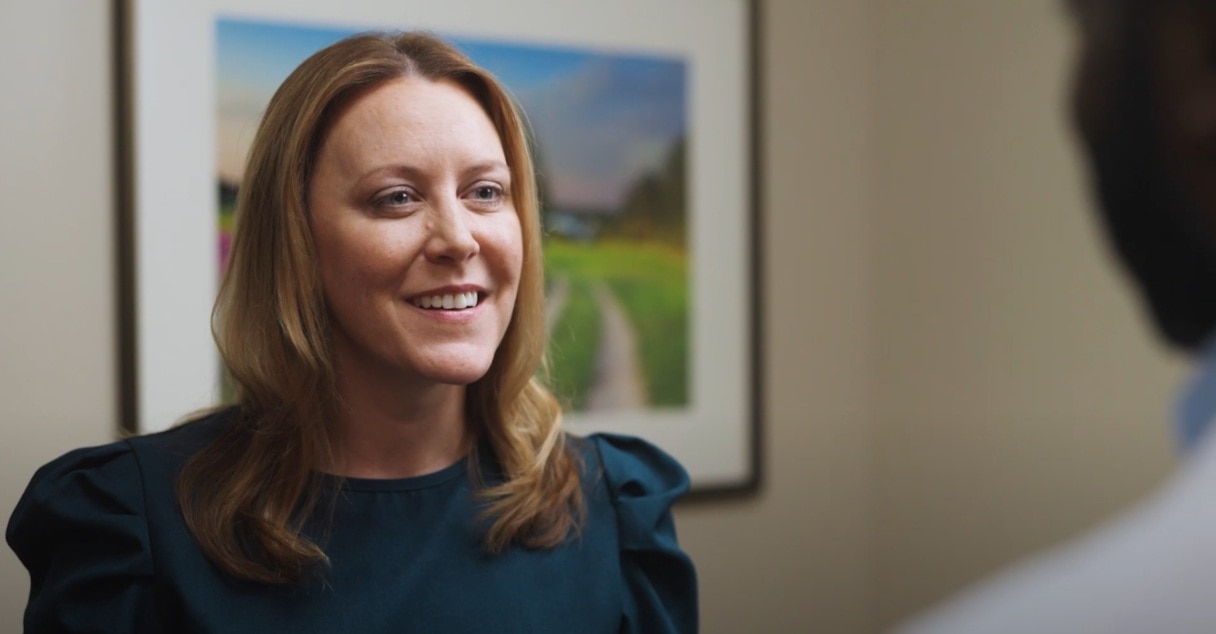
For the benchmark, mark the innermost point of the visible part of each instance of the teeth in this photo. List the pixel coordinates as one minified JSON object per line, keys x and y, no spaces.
{"x":447,"y":302}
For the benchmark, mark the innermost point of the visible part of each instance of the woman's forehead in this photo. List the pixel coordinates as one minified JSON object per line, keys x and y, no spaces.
{"x":415,"y":119}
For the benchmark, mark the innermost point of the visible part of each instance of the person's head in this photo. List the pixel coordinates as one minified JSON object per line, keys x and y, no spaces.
{"x":1144,"y":104}
{"x":296,"y":296}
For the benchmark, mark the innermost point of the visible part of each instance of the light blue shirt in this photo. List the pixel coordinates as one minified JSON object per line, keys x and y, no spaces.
{"x":1195,"y":410}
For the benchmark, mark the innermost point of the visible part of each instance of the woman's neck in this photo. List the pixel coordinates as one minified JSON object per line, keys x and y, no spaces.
{"x":387,"y":429}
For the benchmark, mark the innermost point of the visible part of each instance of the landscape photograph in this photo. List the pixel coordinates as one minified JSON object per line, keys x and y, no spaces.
{"x":611,"y":146}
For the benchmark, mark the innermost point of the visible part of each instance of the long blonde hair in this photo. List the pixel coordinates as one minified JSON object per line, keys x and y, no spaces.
{"x":247,"y":495}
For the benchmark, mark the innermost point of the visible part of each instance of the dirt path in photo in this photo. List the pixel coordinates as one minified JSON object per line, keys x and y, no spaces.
{"x":618,"y":375}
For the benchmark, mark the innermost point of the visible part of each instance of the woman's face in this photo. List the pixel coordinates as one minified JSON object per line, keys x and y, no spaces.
{"x":418,"y":244}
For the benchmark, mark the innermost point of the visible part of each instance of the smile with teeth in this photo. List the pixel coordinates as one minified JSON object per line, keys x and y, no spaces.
{"x":454,"y":301}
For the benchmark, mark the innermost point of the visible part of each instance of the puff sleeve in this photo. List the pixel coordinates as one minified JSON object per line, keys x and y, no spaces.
{"x":81,"y":531}
{"x":659,"y":578}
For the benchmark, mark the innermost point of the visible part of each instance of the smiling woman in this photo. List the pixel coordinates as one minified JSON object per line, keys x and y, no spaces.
{"x":410,"y":202}
{"x":391,"y":463}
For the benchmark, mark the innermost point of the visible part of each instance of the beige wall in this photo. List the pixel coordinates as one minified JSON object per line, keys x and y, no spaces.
{"x":58,"y":386}
{"x":954,"y":374}
{"x":796,"y":558}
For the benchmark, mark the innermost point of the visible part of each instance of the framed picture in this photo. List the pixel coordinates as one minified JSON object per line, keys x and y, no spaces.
{"x":642,"y":112}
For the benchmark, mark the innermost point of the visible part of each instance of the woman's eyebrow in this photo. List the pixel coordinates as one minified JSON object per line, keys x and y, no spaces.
{"x":487,"y":166}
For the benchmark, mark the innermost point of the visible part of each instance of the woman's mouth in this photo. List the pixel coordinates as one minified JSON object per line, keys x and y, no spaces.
{"x":451,"y":301}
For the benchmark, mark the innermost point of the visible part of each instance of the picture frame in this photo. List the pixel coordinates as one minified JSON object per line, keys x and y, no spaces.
{"x":166,"y":195}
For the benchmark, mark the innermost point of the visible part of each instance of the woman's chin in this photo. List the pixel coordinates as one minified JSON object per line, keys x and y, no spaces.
{"x":458,"y":373}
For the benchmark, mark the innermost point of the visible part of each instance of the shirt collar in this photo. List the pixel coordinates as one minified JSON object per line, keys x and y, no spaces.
{"x":1196,"y":408}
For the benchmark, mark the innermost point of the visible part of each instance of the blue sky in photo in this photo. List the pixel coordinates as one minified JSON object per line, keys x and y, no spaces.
{"x":601,"y":119}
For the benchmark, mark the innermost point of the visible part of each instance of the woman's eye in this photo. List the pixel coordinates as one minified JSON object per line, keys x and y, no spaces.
{"x":399,"y":197}
{"x":395,"y":199}
{"x":486,"y":193}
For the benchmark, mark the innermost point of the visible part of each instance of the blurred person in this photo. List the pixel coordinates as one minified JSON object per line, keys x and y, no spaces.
{"x":391,"y":463}
{"x":1144,"y":105}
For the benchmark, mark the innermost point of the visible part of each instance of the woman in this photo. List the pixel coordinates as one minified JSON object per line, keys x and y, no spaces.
{"x":391,"y":464}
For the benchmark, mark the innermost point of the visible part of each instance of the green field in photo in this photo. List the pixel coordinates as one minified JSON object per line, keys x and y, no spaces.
{"x":651,"y":281}
{"x":573,"y":345}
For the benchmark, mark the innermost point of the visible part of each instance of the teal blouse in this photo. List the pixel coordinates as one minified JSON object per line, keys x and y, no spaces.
{"x":108,"y":551}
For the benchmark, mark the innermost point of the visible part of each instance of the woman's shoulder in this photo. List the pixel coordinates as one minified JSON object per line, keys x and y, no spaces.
{"x":79,"y":489}
{"x":167,"y":450}
{"x":111,"y":477}
{"x":631,"y":467}
{"x":81,"y":528}
{"x":641,"y":483}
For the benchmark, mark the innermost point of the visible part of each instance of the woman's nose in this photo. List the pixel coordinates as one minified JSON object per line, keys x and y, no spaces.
{"x":450,"y":236}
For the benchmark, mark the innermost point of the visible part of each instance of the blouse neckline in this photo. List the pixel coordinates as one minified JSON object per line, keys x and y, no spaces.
{"x":411,"y":483}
